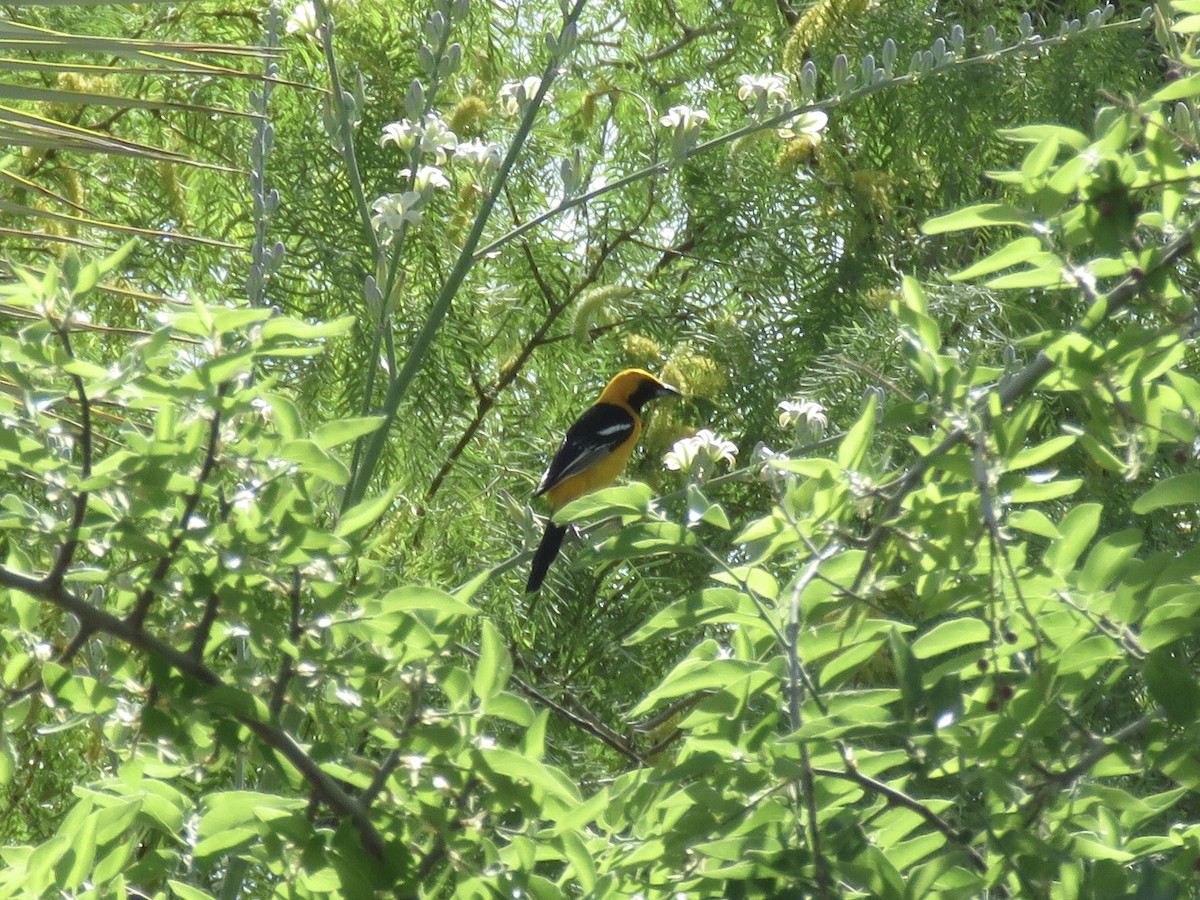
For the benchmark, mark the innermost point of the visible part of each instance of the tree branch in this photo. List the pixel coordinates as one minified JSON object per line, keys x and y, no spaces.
{"x":1013,"y":388}
{"x":71,"y":544}
{"x":323,"y":786}
{"x":896,"y":797}
{"x":590,"y":724}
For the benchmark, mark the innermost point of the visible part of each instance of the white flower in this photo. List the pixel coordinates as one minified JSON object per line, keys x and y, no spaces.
{"x":393,"y":210}
{"x":483,"y":155}
{"x":803,"y":413}
{"x":763,"y":91}
{"x":515,"y":94}
{"x":809,"y":125}
{"x":404,"y":134}
{"x":685,"y":124}
{"x":431,"y":136}
{"x":437,"y":138}
{"x":696,"y":454}
{"x":414,"y":763}
{"x":427,"y":180}
{"x":303,"y":20}
{"x":684,"y":117}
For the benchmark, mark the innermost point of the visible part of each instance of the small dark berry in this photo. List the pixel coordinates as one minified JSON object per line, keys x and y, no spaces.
{"x":1136,"y":272}
{"x":982,"y":664}
{"x":1010,"y":636}
{"x":1182,"y":456}
{"x":993,"y":704}
{"x":1104,"y":207}
{"x":1005,"y":691}
{"x":1171,"y":75}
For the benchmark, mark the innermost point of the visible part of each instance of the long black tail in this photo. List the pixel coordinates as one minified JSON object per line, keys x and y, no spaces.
{"x":546,"y":551}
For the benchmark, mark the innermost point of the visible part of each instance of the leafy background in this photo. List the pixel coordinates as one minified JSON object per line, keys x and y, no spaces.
{"x":266,"y":465}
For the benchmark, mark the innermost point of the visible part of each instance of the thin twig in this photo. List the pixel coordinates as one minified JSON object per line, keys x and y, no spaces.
{"x":895,"y":797}
{"x":584,"y":722}
{"x":71,"y":544}
{"x":137,"y":615}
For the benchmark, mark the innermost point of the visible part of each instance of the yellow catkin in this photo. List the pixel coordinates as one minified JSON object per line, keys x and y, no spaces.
{"x":468,"y":117}
{"x":696,"y":375}
{"x":642,"y":351}
{"x":85,"y":85}
{"x":72,"y":189}
{"x":819,"y":24}
{"x":872,"y":192}
{"x":797,"y":153}
{"x":661,"y":432}
{"x":587,"y":107}
{"x":594,"y":307}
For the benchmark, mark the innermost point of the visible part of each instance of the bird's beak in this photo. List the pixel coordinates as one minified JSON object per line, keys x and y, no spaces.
{"x":666,"y":390}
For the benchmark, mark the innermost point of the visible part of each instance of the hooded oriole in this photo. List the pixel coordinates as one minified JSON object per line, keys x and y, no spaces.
{"x":593,"y":453}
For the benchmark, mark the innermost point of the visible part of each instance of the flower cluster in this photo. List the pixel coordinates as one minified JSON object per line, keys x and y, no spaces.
{"x":807,"y":418}
{"x":431,"y":138}
{"x":697,"y":454}
{"x":765,"y":92}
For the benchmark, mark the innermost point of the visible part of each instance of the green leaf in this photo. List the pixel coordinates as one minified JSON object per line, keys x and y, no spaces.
{"x":1172,"y":684}
{"x":1014,"y":253}
{"x":282,"y":328}
{"x":1034,"y":521}
{"x":494,"y":666}
{"x":621,"y":500}
{"x":1184,"y":88}
{"x":187,"y":891}
{"x":286,"y":416}
{"x":1178,"y":490}
{"x":312,"y":460}
{"x":697,"y":673}
{"x":853,"y":449}
{"x":811,"y":468}
{"x":523,"y":769}
{"x":1077,"y":528}
{"x":701,"y":509}
{"x":76,"y":863}
{"x":416,"y":597}
{"x":981,"y":215}
{"x":342,"y":431}
{"x":363,"y":516}
{"x":1035,"y":134}
{"x":908,"y":670}
{"x":1032,"y":456}
{"x":1037,"y":490}
{"x":951,"y":635}
{"x":1108,"y":557}
{"x":1046,"y":273}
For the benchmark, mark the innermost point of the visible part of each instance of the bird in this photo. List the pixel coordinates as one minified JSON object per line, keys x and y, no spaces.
{"x":593,"y":453}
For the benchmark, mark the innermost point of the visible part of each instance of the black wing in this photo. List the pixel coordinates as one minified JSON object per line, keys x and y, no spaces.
{"x":594,"y":435}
